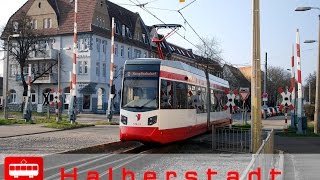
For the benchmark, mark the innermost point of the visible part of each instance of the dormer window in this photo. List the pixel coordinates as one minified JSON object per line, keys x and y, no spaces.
{"x":15,"y":25}
{"x":117,"y":28}
{"x":123,"y":30}
{"x":144,"y":38}
{"x":129,"y":33}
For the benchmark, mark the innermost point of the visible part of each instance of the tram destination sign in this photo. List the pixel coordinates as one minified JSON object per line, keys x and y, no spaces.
{"x":141,"y":74}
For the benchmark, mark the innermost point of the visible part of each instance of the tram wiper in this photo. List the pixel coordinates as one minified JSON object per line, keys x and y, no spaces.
{"x":143,"y":106}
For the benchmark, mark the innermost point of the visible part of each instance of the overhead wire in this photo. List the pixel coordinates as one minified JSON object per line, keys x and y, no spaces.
{"x":183,"y":37}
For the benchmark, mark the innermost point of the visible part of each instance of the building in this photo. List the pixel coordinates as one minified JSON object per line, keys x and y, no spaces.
{"x":54,"y":20}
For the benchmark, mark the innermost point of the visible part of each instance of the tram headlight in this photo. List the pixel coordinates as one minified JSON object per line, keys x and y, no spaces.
{"x":152,"y":120}
{"x":124,"y":120}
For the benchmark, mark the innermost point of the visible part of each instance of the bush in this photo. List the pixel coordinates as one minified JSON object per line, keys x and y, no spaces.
{"x":309,"y":110}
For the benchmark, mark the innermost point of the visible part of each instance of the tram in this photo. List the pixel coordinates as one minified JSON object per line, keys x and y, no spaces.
{"x":164,"y":101}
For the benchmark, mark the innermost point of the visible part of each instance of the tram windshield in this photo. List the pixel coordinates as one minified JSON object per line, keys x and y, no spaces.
{"x":140,"y":94}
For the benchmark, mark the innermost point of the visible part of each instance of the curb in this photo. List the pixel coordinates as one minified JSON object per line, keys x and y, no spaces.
{"x":55,"y":130}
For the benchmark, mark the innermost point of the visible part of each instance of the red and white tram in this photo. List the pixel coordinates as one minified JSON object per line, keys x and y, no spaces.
{"x":165,"y":101}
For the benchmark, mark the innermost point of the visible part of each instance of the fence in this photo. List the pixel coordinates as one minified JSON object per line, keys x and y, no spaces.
{"x":231,"y":140}
{"x":262,"y":159}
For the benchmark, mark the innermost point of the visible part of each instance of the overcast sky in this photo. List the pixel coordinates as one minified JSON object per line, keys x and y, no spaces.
{"x":230,"y":22}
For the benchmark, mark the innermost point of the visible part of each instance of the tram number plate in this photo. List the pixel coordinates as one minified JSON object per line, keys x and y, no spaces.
{"x":137,"y":124}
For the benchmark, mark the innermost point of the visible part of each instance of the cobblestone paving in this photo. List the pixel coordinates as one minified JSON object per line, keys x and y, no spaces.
{"x":54,"y":142}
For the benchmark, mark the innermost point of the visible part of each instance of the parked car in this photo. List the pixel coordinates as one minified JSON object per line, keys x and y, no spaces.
{"x":269,"y":113}
{"x":273,"y":111}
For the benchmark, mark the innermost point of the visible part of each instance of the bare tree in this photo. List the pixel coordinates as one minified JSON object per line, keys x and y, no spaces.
{"x":277,"y":77}
{"x":209,"y":52}
{"x":311,"y":79}
{"x":25,"y":46}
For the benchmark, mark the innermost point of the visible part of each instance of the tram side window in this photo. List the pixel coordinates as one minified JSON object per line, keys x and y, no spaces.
{"x":219,"y":96}
{"x":180,"y":95}
{"x":191,"y":97}
{"x":204,"y":98}
{"x":213,"y":101}
{"x":166,"y":94}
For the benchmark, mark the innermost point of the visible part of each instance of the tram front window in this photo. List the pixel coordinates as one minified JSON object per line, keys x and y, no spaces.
{"x":140,"y":94}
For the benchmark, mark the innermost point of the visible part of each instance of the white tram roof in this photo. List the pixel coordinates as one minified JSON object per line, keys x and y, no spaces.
{"x":179,"y":65}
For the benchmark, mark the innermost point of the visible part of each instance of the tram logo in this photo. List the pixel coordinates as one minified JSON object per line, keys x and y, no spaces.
{"x":23,"y":168}
{"x":138,"y":117}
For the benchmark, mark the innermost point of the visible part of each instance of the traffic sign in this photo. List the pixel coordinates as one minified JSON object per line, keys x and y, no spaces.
{"x":285,"y":98}
{"x":265,"y":97}
{"x":231,"y":98}
{"x":244,"y":95}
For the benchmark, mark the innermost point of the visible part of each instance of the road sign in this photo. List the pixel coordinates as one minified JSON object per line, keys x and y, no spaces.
{"x":231,"y":98}
{"x":244,"y":95}
{"x":56,"y":97}
{"x":285,"y":99}
{"x":265,"y":97}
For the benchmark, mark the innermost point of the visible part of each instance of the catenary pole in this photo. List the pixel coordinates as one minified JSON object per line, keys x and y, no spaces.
{"x":317,"y":101}
{"x":256,"y":81}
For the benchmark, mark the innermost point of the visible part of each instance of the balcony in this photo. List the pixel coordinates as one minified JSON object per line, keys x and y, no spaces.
{"x":50,"y":78}
{"x":47,"y":79}
{"x":51,"y":54}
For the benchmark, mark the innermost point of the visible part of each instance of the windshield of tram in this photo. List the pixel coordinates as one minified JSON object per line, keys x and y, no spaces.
{"x":140,"y":94}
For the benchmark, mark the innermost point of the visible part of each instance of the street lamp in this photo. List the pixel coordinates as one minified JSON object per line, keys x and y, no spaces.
{"x":316,"y":111}
{"x":5,"y":108}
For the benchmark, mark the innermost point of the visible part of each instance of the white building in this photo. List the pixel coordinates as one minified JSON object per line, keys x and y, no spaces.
{"x":54,"y":19}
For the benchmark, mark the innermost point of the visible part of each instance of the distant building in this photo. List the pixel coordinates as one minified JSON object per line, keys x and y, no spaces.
{"x":235,"y":77}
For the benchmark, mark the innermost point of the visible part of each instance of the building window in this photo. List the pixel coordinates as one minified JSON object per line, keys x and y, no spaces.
{"x":15,"y":26}
{"x":129,"y":54}
{"x":117,"y":28}
{"x":123,"y":30}
{"x":122,"y":51}
{"x":104,"y":44}
{"x":13,"y":70}
{"x":98,"y":41}
{"x":47,"y":23}
{"x":34,"y":24}
{"x":85,"y":64}
{"x":137,"y":53}
{"x":116,"y":50}
{"x":33,"y":96}
{"x":98,"y":69}
{"x":13,"y":96}
{"x":104,"y":70}
{"x":83,"y":67}
{"x":128,"y":33}
{"x":80,"y":67}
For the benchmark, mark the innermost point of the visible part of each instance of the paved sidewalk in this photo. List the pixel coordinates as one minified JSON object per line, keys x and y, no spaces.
{"x":23,"y":129}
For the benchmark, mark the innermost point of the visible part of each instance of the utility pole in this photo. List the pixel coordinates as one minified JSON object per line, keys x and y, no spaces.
{"x":316,"y":113}
{"x":265,"y":85}
{"x":256,"y":81}
{"x":111,"y":86}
